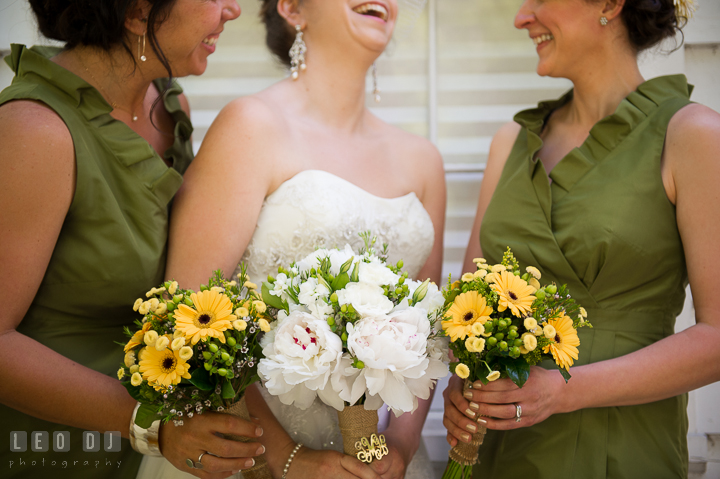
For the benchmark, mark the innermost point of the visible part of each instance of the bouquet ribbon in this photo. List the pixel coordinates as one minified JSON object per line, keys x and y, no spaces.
{"x":359,"y":431}
{"x":260,"y":470}
{"x":464,"y":453}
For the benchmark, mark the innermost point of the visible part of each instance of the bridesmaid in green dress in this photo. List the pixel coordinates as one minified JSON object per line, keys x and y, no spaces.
{"x":613,"y":190}
{"x":94,"y":145}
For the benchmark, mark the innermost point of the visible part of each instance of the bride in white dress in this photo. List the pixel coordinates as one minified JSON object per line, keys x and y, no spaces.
{"x":305,"y":164}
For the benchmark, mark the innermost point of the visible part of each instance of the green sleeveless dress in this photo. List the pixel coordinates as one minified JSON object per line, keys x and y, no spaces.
{"x":605,"y":227}
{"x":110,"y":251}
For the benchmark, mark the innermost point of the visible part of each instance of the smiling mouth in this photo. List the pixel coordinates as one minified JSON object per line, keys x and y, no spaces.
{"x":211,"y":41}
{"x":372,"y":10}
{"x":546,"y":37}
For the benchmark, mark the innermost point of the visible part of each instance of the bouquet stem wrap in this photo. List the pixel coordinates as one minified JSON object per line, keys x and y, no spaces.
{"x":466,"y":454}
{"x":260,"y":470}
{"x":355,"y":423}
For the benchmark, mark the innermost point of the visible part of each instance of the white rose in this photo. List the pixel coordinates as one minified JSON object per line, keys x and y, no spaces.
{"x":301,"y":353}
{"x":367,"y":299}
{"x":376,"y":273}
{"x":397,"y":368}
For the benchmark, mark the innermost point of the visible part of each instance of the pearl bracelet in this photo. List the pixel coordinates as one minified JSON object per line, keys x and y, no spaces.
{"x":290,"y":460}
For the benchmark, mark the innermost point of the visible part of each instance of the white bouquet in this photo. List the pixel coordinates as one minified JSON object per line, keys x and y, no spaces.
{"x":352,"y":330}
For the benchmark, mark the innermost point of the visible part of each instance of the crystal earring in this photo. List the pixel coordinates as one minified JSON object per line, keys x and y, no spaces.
{"x":141,"y":55}
{"x":603,"y":21}
{"x":376,"y":90}
{"x":297,"y":54}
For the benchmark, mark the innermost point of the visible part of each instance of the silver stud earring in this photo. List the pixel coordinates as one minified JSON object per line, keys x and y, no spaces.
{"x":603,"y":21}
{"x":297,"y":54}
{"x":376,"y":90}
{"x":141,"y":55}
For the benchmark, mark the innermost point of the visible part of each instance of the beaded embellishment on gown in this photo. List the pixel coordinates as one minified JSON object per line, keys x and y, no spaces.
{"x":318,"y":209}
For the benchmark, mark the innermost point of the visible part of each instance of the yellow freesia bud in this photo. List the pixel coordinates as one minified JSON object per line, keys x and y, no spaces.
{"x":583,"y":312}
{"x":498,"y":268}
{"x":481,"y":273}
{"x":264,"y":325}
{"x":134,"y":368}
{"x":467,"y":277}
{"x":530,"y":323}
{"x":477,"y":329}
{"x":162,"y":343}
{"x":173,"y":288}
{"x":217,"y":289}
{"x":534,"y":272}
{"x":475,"y":345}
{"x":154,"y":303}
{"x":137,"y":304}
{"x":534,"y":283}
{"x":242,"y":312}
{"x":260,"y":307}
{"x":150,"y":338}
{"x":186,"y":352}
{"x":144,"y":308}
{"x":479,"y":260}
{"x":178,"y":334}
{"x":136,"y":379}
{"x":462,"y":371}
{"x":493,"y":376}
{"x":250,"y":285}
{"x":150,"y":293}
{"x":129,"y":358}
{"x":523,"y":350}
{"x":177,"y":343}
{"x":121,"y":373}
{"x":161,"y":309}
{"x":529,"y":341}
{"x":239,"y":325}
{"x":549,"y":331}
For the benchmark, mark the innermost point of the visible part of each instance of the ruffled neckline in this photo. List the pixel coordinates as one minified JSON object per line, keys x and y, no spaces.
{"x":35,"y":61}
{"x":604,"y":137}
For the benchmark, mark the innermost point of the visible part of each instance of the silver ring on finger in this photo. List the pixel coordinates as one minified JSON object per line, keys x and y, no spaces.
{"x":518,"y":412}
{"x":198,"y":463}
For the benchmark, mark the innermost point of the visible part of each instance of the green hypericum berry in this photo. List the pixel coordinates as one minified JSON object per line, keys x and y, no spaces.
{"x":344,"y":308}
{"x":344,"y":336}
{"x":514,"y":328}
{"x":189,"y":302}
{"x":492,"y":341}
{"x":512,"y":334}
{"x":171,"y":306}
{"x":503,"y":345}
{"x":500,"y":336}
{"x":208,"y":366}
{"x":213,"y":347}
{"x":515,"y":351}
{"x":225,"y":356}
{"x":207,"y":355}
{"x":540,"y":294}
{"x":502,"y":324}
{"x":331,"y":321}
{"x":400,"y":264}
{"x":222,"y":372}
{"x":334,"y":298}
{"x":359,"y":364}
{"x":231,"y":341}
{"x":551,"y":289}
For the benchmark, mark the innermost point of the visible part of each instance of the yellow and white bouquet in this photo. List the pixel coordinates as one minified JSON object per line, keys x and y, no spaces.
{"x":501,"y":321}
{"x":193,"y":351}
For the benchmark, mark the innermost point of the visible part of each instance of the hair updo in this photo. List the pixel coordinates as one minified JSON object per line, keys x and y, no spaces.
{"x":97,"y":23}
{"x":279,"y":36}
{"x":649,"y":22}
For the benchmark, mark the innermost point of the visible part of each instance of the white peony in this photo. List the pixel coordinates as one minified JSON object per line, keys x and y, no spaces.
{"x":301,"y":353}
{"x":376,"y":273}
{"x":397,"y":368}
{"x":367,"y":299}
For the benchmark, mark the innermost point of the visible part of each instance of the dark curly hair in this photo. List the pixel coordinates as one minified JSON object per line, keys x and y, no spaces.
{"x":279,"y":35}
{"x":98,"y":23}
{"x":649,"y":22}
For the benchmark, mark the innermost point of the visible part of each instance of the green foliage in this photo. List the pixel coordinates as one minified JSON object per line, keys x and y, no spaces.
{"x":146,"y":415}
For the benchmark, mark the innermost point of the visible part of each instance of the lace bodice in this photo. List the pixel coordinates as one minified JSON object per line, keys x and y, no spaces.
{"x":318,"y":209}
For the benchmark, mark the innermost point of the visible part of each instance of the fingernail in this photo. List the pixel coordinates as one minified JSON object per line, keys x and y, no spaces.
{"x":470,"y":412}
{"x":474,"y":406}
{"x":482,"y":421}
{"x":468,"y":394}
{"x":477,"y":384}
{"x":258,"y":432}
{"x":466,"y":437}
{"x":250,"y":463}
{"x":471,"y":427}
{"x":261,"y":450}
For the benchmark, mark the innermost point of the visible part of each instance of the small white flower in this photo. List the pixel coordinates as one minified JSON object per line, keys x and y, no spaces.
{"x":367,"y":299}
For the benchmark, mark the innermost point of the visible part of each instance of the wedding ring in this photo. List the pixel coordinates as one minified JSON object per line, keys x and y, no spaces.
{"x":518,"y":412}
{"x":198,"y":464}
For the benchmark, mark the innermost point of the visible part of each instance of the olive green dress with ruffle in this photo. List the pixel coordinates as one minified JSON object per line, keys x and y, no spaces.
{"x":110,"y":251}
{"x":604,"y":226}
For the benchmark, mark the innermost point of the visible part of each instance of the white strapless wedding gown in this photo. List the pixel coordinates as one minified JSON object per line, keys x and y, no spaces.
{"x":318,"y":209}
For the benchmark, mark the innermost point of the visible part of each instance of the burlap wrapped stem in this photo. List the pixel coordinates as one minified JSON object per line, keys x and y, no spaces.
{"x":260,"y":470}
{"x":465,"y":453}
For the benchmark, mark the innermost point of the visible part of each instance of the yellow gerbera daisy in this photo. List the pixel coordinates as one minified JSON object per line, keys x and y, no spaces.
{"x":564,"y":346}
{"x":467,"y":309}
{"x":137,"y":338}
{"x":163,"y":368}
{"x":211,"y":316}
{"x":514,"y":293}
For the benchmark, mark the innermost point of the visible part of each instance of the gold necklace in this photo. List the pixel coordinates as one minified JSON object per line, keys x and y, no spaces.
{"x":114,"y":105}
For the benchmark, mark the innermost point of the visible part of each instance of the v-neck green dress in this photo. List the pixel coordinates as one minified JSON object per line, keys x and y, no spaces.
{"x":605,"y":227}
{"x":110,"y":251}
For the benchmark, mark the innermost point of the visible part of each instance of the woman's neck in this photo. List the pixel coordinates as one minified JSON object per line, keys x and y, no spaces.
{"x":114,"y":74}
{"x":333,"y":88}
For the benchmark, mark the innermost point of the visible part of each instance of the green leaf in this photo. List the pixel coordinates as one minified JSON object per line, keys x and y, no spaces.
{"x":346,"y":265}
{"x":146,"y":415}
{"x":517,"y":370}
{"x":565,"y":373}
{"x":272,"y":300}
{"x":227,"y":390}
{"x":340,"y":281}
{"x":133,"y":391}
{"x":452,"y":295}
{"x":355,"y":275}
{"x":200,"y":378}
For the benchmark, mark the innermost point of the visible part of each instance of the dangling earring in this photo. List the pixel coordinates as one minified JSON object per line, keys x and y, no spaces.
{"x":297,"y":54}
{"x":376,"y":90}
{"x":603,"y":21}
{"x":141,"y":55}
